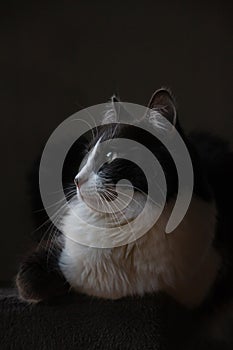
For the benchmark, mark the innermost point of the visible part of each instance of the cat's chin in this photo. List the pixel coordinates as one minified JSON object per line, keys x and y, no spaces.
{"x":90,"y":201}
{"x":106,"y":206}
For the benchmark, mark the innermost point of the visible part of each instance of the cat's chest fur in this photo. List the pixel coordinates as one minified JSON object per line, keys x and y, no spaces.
{"x":183,"y":263}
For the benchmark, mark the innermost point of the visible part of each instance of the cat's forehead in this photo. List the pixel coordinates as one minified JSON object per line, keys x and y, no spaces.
{"x":108,"y":132}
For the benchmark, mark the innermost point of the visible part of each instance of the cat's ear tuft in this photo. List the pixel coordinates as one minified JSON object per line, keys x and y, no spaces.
{"x":116,"y":112}
{"x":111,"y":115}
{"x":162,"y":108}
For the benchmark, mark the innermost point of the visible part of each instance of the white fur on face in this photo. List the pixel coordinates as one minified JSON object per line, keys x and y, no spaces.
{"x":87,"y":179}
{"x":91,"y":185}
{"x":87,"y":170}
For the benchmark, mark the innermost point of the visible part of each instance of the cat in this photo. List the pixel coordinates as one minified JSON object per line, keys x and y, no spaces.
{"x":188,"y":264}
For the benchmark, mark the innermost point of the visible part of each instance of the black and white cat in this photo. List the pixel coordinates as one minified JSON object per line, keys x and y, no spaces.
{"x":186,"y":264}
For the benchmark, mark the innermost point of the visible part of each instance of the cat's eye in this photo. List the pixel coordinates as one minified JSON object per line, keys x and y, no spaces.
{"x":110,"y":156}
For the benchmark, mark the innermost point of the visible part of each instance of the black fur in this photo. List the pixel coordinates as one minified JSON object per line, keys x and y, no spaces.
{"x":39,"y":277}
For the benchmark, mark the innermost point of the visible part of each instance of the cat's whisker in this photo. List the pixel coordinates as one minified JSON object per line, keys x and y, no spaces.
{"x":114,"y":216}
{"x":128,"y":223}
{"x":90,"y":127}
{"x":95,"y":125}
{"x":135,"y":188}
{"x":127,"y":196}
{"x":112,"y":211}
{"x":70,"y":187}
{"x":123,"y":185}
{"x":48,"y":232}
{"x":53,"y":230}
{"x":48,"y":220}
{"x":69,"y":194}
{"x":126,"y":203}
{"x":106,"y":206}
{"x":99,"y":198}
{"x":115,"y":205}
{"x":132,"y":231}
{"x":51,"y":220}
{"x":96,"y":128}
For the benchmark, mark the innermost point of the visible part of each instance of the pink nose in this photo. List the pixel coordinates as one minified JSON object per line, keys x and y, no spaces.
{"x":78,"y":182}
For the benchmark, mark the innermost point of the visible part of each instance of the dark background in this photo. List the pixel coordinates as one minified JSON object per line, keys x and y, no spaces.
{"x":57,"y":57}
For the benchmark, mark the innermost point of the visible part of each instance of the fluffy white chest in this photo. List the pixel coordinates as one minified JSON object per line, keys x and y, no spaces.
{"x":182,"y":263}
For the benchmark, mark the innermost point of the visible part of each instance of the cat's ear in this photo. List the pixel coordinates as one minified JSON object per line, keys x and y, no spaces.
{"x":115,"y":111}
{"x":161,"y":109}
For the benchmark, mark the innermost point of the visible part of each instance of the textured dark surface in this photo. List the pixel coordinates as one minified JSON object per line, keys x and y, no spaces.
{"x":79,"y":322}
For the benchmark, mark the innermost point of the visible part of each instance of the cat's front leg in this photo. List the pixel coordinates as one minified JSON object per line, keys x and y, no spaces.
{"x":39,"y":277}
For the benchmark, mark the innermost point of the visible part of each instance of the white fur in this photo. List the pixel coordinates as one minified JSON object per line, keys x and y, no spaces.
{"x":183,"y":264}
{"x":159,"y":122}
{"x":86,"y":170}
{"x":110,"y":115}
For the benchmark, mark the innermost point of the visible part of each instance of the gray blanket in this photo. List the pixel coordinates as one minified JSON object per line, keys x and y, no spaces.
{"x":80,"y":322}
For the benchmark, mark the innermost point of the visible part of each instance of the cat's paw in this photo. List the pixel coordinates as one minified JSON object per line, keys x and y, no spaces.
{"x":28,"y":284}
{"x":38,"y":281}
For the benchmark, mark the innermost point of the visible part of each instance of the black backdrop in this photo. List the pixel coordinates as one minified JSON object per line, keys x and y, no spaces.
{"x":57,"y":57}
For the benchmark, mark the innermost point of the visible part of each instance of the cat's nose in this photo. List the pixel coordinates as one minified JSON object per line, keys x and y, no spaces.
{"x":79,"y":181}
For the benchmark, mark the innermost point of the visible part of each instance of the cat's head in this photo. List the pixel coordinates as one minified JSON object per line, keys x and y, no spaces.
{"x":105,"y":163}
